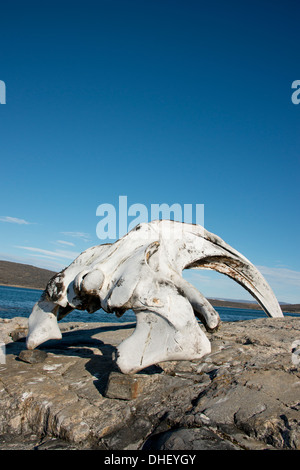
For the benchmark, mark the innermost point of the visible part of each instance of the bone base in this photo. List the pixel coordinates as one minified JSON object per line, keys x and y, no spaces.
{"x":155,"y":340}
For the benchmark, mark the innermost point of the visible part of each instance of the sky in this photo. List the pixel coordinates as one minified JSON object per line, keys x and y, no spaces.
{"x":159,"y":102}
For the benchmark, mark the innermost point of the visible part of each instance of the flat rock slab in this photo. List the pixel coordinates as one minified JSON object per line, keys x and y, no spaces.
{"x":127,"y":387}
{"x":32,"y":356}
{"x":189,"y":439}
{"x":243,"y":395}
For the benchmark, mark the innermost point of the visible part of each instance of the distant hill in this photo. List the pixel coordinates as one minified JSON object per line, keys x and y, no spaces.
{"x":24,"y":275}
{"x":288,"y":308}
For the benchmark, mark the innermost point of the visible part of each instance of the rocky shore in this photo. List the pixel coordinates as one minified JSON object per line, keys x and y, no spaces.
{"x":244,"y":395}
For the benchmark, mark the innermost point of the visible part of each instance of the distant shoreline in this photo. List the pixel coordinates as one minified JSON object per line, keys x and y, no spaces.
{"x":25,"y":276}
{"x":286,"y":308}
{"x":21,"y":287}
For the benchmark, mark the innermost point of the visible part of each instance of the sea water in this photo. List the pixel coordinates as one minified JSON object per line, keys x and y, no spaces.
{"x":18,"y":302}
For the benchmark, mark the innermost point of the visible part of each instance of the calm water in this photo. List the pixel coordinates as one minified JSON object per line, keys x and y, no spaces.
{"x":18,"y":302}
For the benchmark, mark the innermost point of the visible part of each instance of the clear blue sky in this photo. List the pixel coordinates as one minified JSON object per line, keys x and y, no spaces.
{"x":164,"y":101}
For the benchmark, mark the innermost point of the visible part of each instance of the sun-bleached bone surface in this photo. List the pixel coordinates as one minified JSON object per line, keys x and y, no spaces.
{"x":143,"y":271}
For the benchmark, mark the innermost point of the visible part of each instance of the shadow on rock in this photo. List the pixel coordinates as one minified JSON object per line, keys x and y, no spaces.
{"x":98,"y":345}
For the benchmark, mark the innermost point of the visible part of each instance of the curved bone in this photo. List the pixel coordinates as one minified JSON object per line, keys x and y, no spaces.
{"x":143,"y":271}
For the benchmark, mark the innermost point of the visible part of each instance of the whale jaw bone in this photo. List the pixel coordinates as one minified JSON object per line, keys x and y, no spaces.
{"x":145,"y":275}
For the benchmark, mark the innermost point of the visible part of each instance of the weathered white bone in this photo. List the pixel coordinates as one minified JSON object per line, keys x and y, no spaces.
{"x":143,"y":271}
{"x":42,"y":324}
